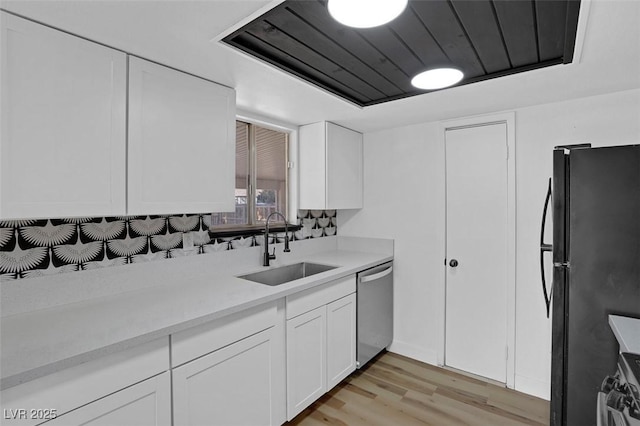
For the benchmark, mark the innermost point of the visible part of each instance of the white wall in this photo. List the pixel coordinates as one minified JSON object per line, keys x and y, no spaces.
{"x":404,"y":200}
{"x":402,"y":193}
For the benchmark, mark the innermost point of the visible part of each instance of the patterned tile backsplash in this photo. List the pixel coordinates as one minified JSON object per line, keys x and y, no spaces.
{"x":32,"y":248}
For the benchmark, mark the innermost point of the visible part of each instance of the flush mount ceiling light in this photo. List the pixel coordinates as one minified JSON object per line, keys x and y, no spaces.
{"x":437,"y":78}
{"x":365,"y":13}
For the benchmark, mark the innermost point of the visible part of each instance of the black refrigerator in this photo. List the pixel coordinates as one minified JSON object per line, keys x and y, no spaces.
{"x":596,"y":270}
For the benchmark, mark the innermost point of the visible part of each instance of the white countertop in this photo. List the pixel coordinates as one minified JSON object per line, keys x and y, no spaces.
{"x":627,"y":332}
{"x":167,"y":296}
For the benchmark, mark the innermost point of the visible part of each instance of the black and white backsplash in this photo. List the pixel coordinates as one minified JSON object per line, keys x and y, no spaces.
{"x":32,"y":248}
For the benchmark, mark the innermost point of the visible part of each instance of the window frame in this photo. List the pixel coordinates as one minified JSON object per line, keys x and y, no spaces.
{"x":291,"y":186}
{"x":252,"y":174}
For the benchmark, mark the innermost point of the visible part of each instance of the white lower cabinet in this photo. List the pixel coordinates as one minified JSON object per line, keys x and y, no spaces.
{"x":131,"y":384}
{"x":145,"y":404}
{"x":228,"y":371}
{"x":306,"y":359}
{"x":341,"y":339}
{"x":231,"y":386}
{"x":247,"y":368}
{"x":231,"y":371}
{"x":321,"y":342}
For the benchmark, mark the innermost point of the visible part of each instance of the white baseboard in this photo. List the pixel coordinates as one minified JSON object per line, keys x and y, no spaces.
{"x":534,"y":387}
{"x":528,"y":385}
{"x":415,"y":352}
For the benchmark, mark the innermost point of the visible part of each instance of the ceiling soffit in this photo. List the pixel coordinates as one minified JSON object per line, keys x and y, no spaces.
{"x":483,"y":38}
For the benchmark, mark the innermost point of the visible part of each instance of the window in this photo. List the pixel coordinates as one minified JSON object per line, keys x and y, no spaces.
{"x":261,"y":176}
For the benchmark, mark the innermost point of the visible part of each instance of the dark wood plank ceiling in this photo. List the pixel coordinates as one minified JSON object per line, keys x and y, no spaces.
{"x":483,"y":38}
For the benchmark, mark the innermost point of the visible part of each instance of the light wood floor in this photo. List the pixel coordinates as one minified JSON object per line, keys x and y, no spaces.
{"x":393,"y":390}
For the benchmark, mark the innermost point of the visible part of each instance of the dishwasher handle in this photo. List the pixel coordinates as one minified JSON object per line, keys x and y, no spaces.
{"x":379,"y":275}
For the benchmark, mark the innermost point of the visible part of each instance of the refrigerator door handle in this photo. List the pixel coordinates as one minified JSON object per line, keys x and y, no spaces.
{"x":544,"y":248}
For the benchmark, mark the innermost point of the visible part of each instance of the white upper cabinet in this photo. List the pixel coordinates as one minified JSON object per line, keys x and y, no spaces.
{"x":330,"y":167}
{"x":64,"y":150}
{"x":181,"y":142}
{"x":63,"y":119}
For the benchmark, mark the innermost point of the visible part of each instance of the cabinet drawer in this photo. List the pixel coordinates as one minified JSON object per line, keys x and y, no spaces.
{"x":76,"y":386}
{"x":306,"y":300}
{"x":203,"y":339}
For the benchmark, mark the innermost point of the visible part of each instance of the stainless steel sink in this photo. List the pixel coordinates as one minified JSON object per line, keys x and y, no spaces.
{"x":285,"y":274}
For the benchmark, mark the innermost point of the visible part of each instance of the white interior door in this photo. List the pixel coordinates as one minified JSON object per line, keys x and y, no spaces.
{"x":476,"y":288}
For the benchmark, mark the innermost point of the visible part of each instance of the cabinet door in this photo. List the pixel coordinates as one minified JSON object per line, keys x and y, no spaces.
{"x":344,"y":168}
{"x":231,"y":386}
{"x":181,"y":142}
{"x":341,"y":339}
{"x":312,"y":167}
{"x":147,"y":403}
{"x":63,"y":146}
{"x":306,"y":360}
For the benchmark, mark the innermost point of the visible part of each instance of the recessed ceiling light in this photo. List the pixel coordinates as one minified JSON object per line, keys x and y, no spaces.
{"x":437,"y":78}
{"x":365,"y":13}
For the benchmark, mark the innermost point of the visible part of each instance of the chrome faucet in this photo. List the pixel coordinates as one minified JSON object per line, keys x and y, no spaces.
{"x":267,"y":256}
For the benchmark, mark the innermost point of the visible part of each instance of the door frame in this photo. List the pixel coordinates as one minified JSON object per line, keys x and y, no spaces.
{"x":509,"y":119}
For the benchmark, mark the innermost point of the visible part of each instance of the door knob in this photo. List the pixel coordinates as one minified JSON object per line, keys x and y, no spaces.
{"x":453,"y":263}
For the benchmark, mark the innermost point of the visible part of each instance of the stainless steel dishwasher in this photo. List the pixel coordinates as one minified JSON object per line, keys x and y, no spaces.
{"x":375,"y":311}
